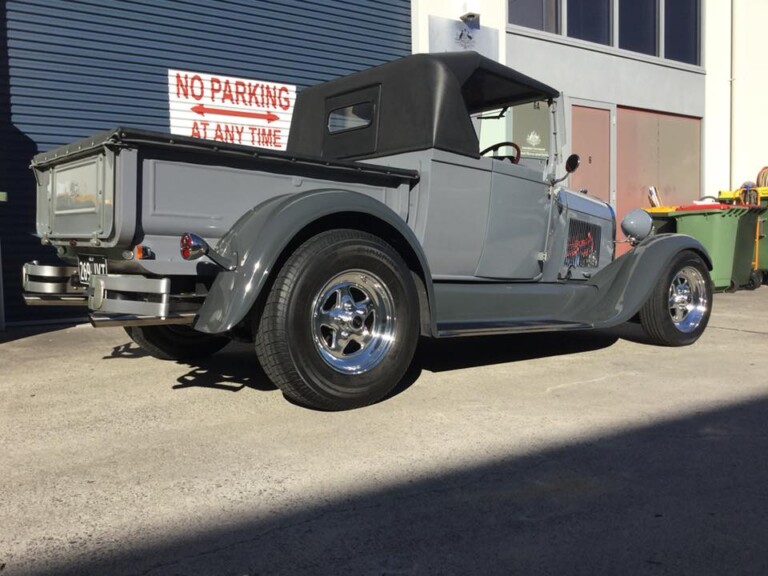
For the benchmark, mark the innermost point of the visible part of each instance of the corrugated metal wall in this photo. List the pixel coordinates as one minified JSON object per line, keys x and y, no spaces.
{"x":74,"y":67}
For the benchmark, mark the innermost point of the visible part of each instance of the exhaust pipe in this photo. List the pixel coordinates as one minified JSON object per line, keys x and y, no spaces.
{"x":104,"y":321}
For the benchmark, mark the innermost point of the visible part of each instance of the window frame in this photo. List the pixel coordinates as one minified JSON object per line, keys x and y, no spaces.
{"x":369,"y":101}
{"x":358,"y":141}
{"x":613,"y":47}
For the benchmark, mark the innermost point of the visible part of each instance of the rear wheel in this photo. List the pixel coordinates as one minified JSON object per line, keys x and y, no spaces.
{"x":341,"y":323}
{"x":678,"y":310}
{"x":171,"y":342}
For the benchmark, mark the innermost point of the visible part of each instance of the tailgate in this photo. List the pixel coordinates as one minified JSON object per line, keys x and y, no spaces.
{"x":76,"y":192}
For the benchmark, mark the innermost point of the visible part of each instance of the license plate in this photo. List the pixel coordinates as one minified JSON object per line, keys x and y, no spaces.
{"x":90,"y":265}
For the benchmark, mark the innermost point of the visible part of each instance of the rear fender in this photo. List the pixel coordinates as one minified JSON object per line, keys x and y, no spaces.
{"x":261,"y":235}
{"x":624,"y":285}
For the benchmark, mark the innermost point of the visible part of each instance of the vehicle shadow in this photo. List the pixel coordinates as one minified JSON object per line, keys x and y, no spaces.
{"x":20,"y":332}
{"x":458,"y":353}
{"x":232,"y":369}
{"x":449,"y":354}
{"x":127,"y":350}
{"x":236,"y":368}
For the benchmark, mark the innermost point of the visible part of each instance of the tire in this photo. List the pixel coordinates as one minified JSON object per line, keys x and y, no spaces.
{"x":172,"y":342}
{"x":341,"y":322}
{"x":755,"y":280}
{"x":678,"y":309}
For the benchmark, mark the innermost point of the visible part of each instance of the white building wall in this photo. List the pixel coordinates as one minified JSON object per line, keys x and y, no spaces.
{"x":749,"y":147}
{"x":736,"y":121}
{"x":717,"y":123}
{"x":588,"y":72}
{"x":493,"y":14}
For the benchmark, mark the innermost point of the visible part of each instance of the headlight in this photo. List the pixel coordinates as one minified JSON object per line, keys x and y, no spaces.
{"x":636,"y":226}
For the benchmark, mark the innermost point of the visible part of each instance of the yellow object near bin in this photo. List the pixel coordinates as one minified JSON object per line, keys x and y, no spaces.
{"x":753,"y":195}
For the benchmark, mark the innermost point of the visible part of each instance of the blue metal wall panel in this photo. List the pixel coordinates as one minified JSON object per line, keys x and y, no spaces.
{"x":70,"y":68}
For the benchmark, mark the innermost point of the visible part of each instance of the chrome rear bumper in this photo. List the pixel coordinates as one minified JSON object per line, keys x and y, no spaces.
{"x":114,"y":299}
{"x":45,"y":280}
{"x":128,"y":294}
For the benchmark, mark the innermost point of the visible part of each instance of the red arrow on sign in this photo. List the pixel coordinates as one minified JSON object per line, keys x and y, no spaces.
{"x":202,"y":109}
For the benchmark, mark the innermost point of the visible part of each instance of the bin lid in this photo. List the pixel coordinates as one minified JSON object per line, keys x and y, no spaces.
{"x":660,"y":209}
{"x":714,"y":206}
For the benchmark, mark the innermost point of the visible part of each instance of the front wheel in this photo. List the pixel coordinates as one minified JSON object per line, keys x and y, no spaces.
{"x":341,"y":322}
{"x":678,"y":309}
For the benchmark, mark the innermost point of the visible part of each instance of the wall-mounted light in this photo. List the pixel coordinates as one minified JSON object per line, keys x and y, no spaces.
{"x":469,"y":13}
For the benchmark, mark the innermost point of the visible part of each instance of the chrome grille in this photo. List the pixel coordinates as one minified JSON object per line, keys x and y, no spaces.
{"x":583,"y":250}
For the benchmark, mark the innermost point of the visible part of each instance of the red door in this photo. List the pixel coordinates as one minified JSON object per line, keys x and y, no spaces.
{"x":592,"y":141}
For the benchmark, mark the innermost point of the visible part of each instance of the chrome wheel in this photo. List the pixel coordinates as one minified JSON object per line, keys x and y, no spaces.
{"x":353,"y":321}
{"x":688,"y":299}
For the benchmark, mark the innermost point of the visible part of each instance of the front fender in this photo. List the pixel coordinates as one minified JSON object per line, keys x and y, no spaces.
{"x":624,"y":285}
{"x":259,"y":237}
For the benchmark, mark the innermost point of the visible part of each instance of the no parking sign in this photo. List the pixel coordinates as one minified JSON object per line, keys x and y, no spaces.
{"x":228,"y":109}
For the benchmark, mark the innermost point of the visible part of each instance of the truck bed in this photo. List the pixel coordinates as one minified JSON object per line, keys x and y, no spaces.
{"x":128,"y":186}
{"x":256,"y":158}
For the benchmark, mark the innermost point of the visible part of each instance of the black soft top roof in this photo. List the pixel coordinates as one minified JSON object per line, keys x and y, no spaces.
{"x":422,"y":101}
{"x":486,"y":84}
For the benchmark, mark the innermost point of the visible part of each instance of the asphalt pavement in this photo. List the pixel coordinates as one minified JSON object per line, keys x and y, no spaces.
{"x":577,"y":453}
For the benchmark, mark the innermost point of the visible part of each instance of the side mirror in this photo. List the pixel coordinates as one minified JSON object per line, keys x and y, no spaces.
{"x":572,"y":163}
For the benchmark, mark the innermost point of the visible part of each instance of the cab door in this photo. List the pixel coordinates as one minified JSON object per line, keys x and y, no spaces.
{"x":518,"y":219}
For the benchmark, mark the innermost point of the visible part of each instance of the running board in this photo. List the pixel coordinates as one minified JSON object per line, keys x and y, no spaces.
{"x":457,"y":329}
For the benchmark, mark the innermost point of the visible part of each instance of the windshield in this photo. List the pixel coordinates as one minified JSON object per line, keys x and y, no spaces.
{"x":527,"y":125}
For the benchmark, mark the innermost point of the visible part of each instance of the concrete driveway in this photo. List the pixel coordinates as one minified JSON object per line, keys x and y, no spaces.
{"x":587,"y":453}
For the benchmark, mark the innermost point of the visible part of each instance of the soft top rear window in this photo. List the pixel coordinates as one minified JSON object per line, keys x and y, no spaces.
{"x":351,"y":117}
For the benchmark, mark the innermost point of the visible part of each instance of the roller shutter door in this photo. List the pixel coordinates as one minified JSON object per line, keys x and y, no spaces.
{"x":75,"y":67}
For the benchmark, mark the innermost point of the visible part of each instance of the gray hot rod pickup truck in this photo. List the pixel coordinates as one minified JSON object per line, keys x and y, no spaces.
{"x":382,"y":221}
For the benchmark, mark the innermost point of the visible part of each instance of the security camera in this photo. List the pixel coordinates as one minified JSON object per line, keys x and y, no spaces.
{"x":468,"y":17}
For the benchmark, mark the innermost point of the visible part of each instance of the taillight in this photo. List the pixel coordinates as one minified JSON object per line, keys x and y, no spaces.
{"x":186,"y":246}
{"x":192,"y":246}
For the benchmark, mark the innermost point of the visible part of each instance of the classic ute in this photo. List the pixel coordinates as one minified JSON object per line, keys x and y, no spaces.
{"x":383,"y":220}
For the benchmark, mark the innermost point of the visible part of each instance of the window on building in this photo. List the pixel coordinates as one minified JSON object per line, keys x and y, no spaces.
{"x":538,"y":14}
{"x":637,"y":25}
{"x":638,"y":21}
{"x":681,"y":30}
{"x":590,"y":20}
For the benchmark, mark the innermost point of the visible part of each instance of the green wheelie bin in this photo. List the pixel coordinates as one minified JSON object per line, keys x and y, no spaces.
{"x":726,"y":231}
{"x":757,"y":195}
